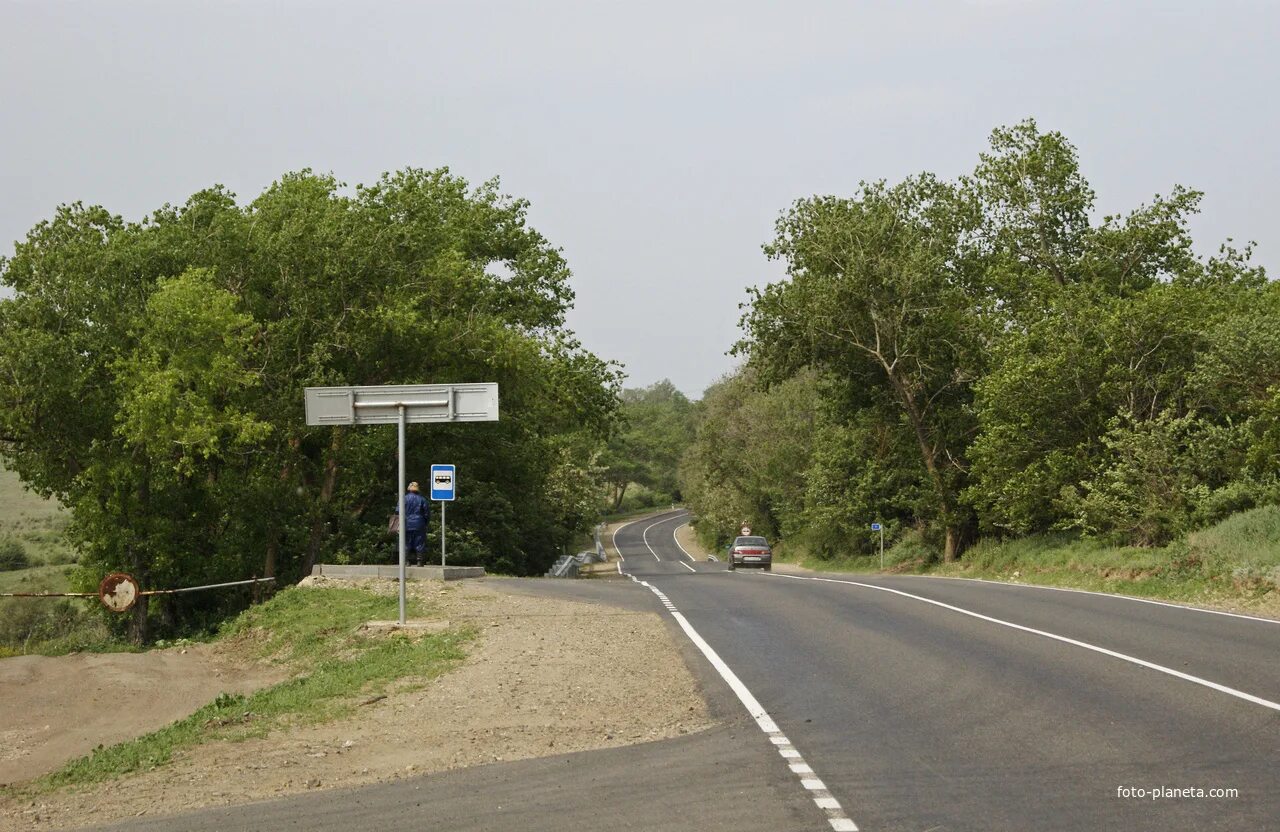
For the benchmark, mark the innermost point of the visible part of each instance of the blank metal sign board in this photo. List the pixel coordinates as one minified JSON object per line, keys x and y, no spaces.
{"x":423,"y":403}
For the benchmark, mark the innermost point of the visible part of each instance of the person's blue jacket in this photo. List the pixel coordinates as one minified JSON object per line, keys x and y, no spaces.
{"x":416,"y":512}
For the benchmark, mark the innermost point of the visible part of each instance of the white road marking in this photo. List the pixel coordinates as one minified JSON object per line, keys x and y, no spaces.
{"x":1239,"y":694}
{"x":616,"y":548}
{"x":836,"y":817}
{"x":644,"y":535}
{"x":686,"y":566}
{"x":1104,"y":595}
{"x":676,"y":538}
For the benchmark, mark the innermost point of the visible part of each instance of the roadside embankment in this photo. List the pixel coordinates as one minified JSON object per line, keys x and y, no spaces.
{"x":1233,"y":565}
{"x":506,"y":676}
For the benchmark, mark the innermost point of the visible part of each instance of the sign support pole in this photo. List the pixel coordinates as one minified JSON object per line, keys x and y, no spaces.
{"x":402,"y":517}
{"x":881,"y":547}
{"x":385,"y":404}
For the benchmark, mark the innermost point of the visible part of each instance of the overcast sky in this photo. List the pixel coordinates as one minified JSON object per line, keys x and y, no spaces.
{"x":657,"y":141}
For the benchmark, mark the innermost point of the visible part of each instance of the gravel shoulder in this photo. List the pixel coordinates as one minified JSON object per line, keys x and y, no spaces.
{"x":543,"y":677}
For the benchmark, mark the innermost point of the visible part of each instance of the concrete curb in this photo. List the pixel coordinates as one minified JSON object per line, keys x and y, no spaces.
{"x":411,"y":573}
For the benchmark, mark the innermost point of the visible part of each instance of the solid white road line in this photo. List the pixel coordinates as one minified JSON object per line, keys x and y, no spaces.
{"x":623,"y":526}
{"x":615,"y":536}
{"x":830,"y":806}
{"x":686,"y":566}
{"x":1239,"y":694}
{"x":676,"y":538}
{"x":645,"y":536}
{"x":1104,"y":595}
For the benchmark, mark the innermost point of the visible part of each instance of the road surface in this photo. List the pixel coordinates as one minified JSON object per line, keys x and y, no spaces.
{"x":886,"y":703}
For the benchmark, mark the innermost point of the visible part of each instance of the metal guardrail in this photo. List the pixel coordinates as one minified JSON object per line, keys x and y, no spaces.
{"x":567,"y":566}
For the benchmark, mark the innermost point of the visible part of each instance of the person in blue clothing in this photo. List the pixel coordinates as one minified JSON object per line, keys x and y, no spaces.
{"x":416,"y":514}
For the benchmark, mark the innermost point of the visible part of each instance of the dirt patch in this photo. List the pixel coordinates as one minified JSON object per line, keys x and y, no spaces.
{"x":542,"y":677}
{"x":59,"y":708}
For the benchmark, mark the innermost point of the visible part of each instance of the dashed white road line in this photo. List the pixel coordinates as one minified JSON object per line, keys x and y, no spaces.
{"x":1104,"y":595}
{"x":822,"y":798}
{"x":1239,"y":694}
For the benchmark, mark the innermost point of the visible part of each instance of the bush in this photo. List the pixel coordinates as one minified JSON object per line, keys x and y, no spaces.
{"x":13,"y":555}
{"x":1163,"y":478}
{"x":913,"y":549}
{"x":50,"y":626}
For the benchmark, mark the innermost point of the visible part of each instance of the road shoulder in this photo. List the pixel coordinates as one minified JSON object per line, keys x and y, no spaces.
{"x":544,"y":676}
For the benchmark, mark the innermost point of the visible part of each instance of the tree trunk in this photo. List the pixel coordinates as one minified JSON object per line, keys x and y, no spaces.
{"x":139,"y":621}
{"x":326,"y":497}
{"x":269,"y":562}
{"x":951,"y":546}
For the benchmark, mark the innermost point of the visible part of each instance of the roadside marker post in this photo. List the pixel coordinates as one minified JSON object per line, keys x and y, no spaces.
{"x":400,"y":404}
{"x":444,"y":487}
{"x":879,"y":527}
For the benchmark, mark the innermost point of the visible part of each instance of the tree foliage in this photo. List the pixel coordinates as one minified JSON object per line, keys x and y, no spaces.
{"x":993,"y":359}
{"x":151,"y":374}
{"x":657,"y":427}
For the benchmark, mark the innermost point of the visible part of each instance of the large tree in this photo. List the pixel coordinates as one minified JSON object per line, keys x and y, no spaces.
{"x":881,"y":293}
{"x":657,"y":426}
{"x":151,"y":374}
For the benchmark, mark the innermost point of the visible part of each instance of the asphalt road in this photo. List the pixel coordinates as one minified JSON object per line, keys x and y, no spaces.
{"x":999,"y":710}
{"x":883,"y":703}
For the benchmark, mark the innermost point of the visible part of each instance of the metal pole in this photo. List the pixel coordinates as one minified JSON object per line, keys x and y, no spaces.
{"x":442,"y":556}
{"x":881,"y":547}
{"x":402,"y":517}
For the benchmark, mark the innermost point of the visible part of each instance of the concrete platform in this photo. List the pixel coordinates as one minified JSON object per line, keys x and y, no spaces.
{"x":410,"y":625}
{"x":411,"y":573}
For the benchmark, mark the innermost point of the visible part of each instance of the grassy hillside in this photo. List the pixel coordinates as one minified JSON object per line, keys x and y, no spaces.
{"x":33,"y":522}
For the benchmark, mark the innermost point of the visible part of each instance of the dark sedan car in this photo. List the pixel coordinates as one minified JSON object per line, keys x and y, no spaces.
{"x":750,"y":551}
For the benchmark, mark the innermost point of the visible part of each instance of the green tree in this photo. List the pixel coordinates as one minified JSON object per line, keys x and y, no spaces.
{"x":151,"y":375}
{"x":749,"y":455}
{"x":882,"y":293}
{"x":657,"y":426}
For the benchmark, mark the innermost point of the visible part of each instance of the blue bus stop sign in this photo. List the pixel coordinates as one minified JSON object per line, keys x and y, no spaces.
{"x":444,"y":482}
{"x":875,"y":527}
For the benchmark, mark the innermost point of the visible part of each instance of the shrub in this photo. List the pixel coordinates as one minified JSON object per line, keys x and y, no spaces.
{"x":13,"y":555}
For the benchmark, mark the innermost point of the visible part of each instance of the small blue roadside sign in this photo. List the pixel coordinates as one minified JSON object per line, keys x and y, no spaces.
{"x":444,"y":482}
{"x":875,"y":527}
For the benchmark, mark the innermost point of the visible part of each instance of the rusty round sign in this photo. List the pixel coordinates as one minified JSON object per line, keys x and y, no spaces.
{"x":118,"y":591}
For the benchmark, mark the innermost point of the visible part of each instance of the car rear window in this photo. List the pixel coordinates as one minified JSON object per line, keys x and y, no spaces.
{"x":750,"y":541}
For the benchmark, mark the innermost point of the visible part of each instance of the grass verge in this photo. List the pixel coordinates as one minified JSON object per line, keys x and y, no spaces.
{"x":313,"y":631}
{"x":1234,"y":564}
